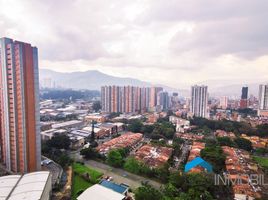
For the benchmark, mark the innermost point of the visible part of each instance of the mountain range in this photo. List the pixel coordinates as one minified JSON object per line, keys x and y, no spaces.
{"x":94,"y":79}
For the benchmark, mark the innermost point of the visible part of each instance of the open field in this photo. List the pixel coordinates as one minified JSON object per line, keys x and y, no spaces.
{"x":261,"y":161}
{"x":79,"y":183}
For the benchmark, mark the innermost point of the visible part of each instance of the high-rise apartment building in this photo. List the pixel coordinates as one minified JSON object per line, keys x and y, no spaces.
{"x":153,"y":96}
{"x":126,"y":99}
{"x":163,"y":100}
{"x":244,"y":98}
{"x":263,"y":100}
{"x":199,"y":101}
{"x":224,"y":102}
{"x":20,"y":141}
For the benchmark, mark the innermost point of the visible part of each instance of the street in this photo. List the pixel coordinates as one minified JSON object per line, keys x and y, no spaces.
{"x":120,"y":175}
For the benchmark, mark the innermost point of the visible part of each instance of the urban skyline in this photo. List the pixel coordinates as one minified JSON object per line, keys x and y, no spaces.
{"x":133,"y":100}
{"x":146,"y":43}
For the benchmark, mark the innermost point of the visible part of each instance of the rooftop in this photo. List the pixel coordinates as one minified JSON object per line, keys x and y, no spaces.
{"x":97,"y":192}
{"x":123,"y":141}
{"x":113,"y":186}
{"x":29,"y":186}
{"x":67,"y":123}
{"x":153,"y":156}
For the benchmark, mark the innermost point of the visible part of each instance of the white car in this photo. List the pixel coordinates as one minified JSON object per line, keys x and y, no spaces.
{"x":46,"y":162}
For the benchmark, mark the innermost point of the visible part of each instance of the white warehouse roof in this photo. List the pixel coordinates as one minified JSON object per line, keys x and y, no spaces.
{"x":29,"y":186}
{"x":7,"y":183}
{"x":97,"y":192}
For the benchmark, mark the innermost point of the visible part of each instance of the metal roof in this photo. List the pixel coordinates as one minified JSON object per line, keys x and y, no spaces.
{"x":97,"y":192}
{"x":29,"y":186}
{"x":113,"y":186}
{"x":7,"y":183}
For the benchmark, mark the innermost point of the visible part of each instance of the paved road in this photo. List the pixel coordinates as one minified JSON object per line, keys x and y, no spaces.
{"x":120,"y":175}
{"x":55,"y":169}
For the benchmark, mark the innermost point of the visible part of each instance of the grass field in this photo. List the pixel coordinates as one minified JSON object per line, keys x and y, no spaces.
{"x":261,"y":161}
{"x":81,"y":184}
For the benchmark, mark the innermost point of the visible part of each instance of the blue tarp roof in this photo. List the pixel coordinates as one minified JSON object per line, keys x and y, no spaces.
{"x":115,"y":187}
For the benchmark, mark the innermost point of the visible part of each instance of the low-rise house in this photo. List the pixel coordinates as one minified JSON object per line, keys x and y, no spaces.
{"x":256,"y":141}
{"x":153,"y":156}
{"x":182,"y":125}
{"x":127,"y":140}
{"x":99,"y":133}
{"x":97,"y":117}
{"x":48,"y":134}
{"x":45,"y":126}
{"x":190,"y":136}
{"x":195,"y":152}
{"x":222,"y":133}
{"x":110,"y":127}
{"x":238,"y":163}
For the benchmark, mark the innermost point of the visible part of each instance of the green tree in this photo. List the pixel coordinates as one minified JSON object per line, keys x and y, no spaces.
{"x":147,"y":192}
{"x":170,"y":191}
{"x":225,"y":141}
{"x":123,"y":151}
{"x":59,"y":142}
{"x":132,"y":165}
{"x":262,"y":130}
{"x":115,"y":159}
{"x":178,"y":180}
{"x":243,"y":143}
{"x":63,"y":160}
{"x":88,"y":153}
{"x":215,"y":156}
{"x":195,"y":195}
{"x":261,"y":151}
{"x":147,"y":129}
{"x":163,"y":172}
{"x":96,"y":106}
{"x":135,"y":126}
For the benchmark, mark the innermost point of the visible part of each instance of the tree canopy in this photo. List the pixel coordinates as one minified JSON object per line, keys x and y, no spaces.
{"x":115,"y":158}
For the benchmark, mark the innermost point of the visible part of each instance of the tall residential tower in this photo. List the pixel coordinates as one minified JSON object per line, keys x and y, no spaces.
{"x":129,"y":99}
{"x":244,"y":98}
{"x":199,"y":101}
{"x":20,"y":143}
{"x":263,"y":100}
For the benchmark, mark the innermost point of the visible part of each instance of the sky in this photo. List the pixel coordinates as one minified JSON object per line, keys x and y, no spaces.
{"x":176,"y":42}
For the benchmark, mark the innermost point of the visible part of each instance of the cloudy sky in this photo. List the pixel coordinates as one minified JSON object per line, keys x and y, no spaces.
{"x":174,"y":42}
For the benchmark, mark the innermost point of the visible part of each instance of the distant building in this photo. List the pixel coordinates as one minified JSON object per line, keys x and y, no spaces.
{"x":263,"y":100}
{"x":199,"y":101}
{"x":96,"y":117}
{"x":68,"y":124}
{"x":128,"y":99}
{"x":244,"y":98}
{"x":163,"y":100}
{"x":174,"y":100}
{"x":20,"y":142}
{"x":182,"y":125}
{"x":224,"y":102}
{"x":153,"y":96}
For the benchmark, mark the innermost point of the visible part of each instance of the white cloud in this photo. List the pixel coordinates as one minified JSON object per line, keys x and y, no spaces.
{"x":177,"y":43}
